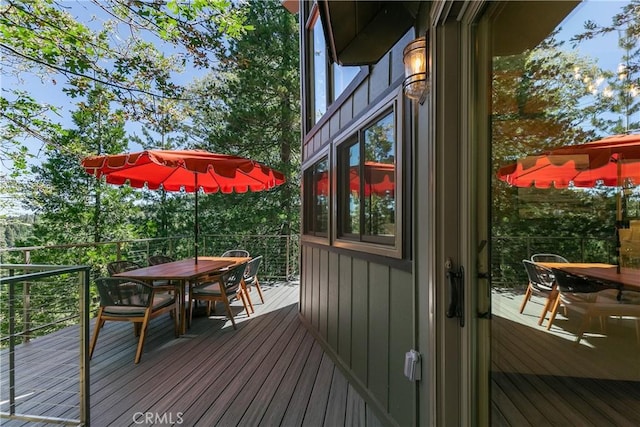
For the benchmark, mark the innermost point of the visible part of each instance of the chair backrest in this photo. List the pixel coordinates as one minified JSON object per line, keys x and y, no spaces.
{"x":573,"y":283}
{"x":548,"y":258}
{"x":232,"y":278}
{"x":540,"y":277}
{"x":159,"y":259}
{"x":252,"y":267}
{"x":122,"y":291}
{"x":116,"y":267}
{"x":236,"y":253}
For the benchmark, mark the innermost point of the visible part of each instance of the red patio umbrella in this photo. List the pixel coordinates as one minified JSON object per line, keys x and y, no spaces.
{"x":188,"y":170}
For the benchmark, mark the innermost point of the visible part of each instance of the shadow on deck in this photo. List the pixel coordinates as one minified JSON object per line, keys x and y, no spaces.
{"x":541,"y":377}
{"x":268,"y":372}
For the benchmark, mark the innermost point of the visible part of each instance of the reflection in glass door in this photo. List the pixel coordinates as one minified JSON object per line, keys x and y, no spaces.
{"x":563,"y":73}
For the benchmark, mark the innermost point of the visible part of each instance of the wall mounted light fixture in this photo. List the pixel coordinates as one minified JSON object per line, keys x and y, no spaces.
{"x":415,"y":84}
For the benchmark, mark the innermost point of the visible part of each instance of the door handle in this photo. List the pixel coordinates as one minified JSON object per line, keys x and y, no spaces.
{"x":455,"y":279}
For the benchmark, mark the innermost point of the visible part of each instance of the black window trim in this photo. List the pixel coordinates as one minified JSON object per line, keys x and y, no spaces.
{"x":308,"y":164}
{"x":393,"y":101}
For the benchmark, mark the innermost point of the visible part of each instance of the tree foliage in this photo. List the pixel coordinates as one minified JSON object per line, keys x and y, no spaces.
{"x":249,"y":106}
{"x":73,"y":206}
{"x":43,"y":38}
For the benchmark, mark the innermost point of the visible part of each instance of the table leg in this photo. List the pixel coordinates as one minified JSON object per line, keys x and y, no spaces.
{"x":183,"y":320}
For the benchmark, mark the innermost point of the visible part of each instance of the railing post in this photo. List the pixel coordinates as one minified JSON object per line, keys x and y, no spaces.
{"x":288,"y":246}
{"x":118,"y":251}
{"x":84,"y":349}
{"x":12,"y":348}
{"x":26,"y":303}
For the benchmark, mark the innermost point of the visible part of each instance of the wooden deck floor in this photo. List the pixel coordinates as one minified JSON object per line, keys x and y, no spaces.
{"x":541,"y":378}
{"x":269,"y":372}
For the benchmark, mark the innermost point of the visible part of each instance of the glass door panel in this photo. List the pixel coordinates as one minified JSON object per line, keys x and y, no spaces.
{"x":563,"y":73}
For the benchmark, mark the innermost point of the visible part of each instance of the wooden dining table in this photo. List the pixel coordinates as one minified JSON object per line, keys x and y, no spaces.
{"x":183,"y":272}
{"x":629,"y":278}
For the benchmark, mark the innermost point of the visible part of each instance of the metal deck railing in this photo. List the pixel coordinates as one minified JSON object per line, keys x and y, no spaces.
{"x":36,"y":300}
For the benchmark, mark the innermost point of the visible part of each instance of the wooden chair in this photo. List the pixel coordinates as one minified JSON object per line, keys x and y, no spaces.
{"x":591,"y":298}
{"x":541,"y":281}
{"x":236,"y":253}
{"x":159,"y":259}
{"x":163,"y":284}
{"x":129,"y":300}
{"x":251,"y":278}
{"x":222,"y":288}
{"x":116,"y":267}
{"x":548,"y":258}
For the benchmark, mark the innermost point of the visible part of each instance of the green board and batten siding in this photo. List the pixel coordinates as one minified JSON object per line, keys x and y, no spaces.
{"x":364,"y":313}
{"x":362,"y":310}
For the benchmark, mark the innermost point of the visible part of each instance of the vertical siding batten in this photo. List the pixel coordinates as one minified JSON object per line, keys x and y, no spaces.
{"x":360,"y":331}
{"x":345,"y":312}
{"x":323,"y":302}
{"x":334,"y":300}
{"x":402,"y":336}
{"x":378,"y":346}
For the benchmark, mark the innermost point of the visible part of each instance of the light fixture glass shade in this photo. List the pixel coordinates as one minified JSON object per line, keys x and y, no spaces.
{"x":415,"y":68}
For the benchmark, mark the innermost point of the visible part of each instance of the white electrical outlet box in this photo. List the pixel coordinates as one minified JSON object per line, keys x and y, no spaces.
{"x":412,"y":365}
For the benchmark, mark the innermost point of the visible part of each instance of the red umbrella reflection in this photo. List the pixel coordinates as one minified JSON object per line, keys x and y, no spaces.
{"x":612,"y":161}
{"x":379,"y":179}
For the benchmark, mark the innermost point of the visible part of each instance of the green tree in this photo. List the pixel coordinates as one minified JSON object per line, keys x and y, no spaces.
{"x":43,"y":39}
{"x":163,"y":210}
{"x":72,"y":205}
{"x":249,"y":106}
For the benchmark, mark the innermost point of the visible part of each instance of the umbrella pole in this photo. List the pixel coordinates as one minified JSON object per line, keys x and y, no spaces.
{"x":619,"y":215}
{"x":195,"y":221}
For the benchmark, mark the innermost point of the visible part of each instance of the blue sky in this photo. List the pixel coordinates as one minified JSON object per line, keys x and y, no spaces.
{"x":45,"y":91}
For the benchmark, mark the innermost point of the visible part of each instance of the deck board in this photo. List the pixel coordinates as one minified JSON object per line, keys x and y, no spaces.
{"x":263,"y":373}
{"x":317,"y":407}
{"x":541,"y":377}
{"x":271,"y":372}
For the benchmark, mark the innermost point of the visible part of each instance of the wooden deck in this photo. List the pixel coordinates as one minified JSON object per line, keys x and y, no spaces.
{"x":269,"y":372}
{"x":541,"y":378}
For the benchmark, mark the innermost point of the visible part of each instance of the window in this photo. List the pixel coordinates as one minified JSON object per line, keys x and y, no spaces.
{"x":341,"y":77}
{"x":352,"y":197}
{"x":326,"y":81}
{"x":366,"y":184}
{"x":316,"y":202}
{"x":319,"y":61}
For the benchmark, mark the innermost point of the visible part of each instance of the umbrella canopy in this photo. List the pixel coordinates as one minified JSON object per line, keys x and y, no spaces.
{"x":612,"y":161}
{"x":188,"y":170}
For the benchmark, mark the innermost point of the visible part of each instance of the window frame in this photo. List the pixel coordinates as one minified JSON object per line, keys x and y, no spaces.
{"x":392,"y":103}
{"x":308,"y":165}
{"x":331,"y":98}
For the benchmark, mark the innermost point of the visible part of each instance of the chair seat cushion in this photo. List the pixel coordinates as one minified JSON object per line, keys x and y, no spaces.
{"x":207,"y":289}
{"x":159,"y":301}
